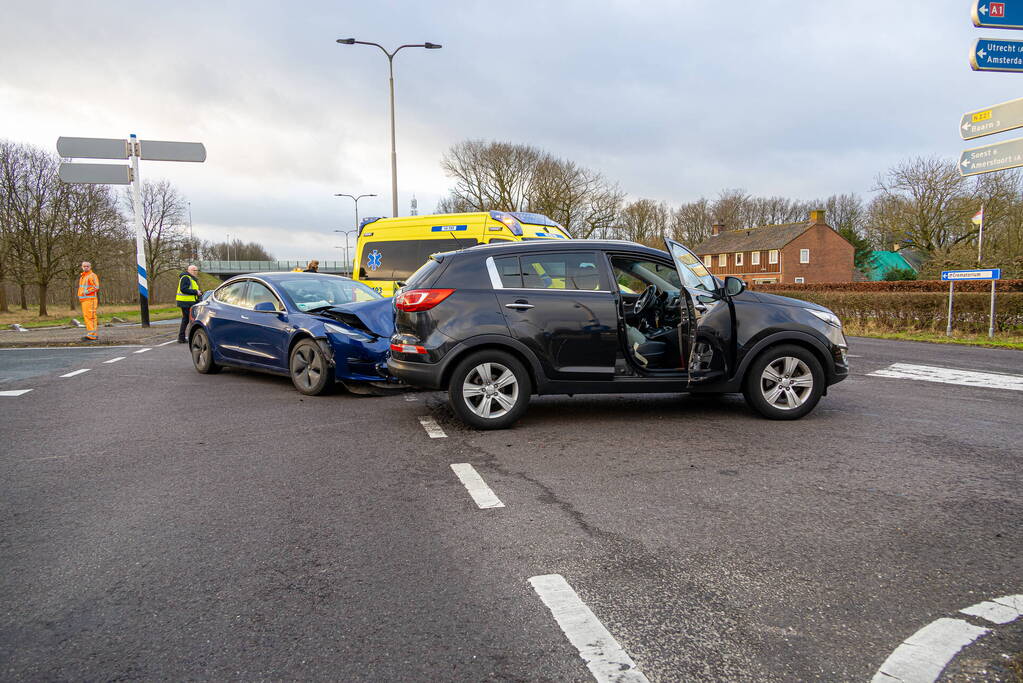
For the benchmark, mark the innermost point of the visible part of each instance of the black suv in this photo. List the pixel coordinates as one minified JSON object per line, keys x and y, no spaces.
{"x":494,"y":324}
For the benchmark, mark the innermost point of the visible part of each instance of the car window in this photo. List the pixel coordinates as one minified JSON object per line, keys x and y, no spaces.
{"x":233,"y":293}
{"x":577,"y":270}
{"x":424,"y":272}
{"x":309,"y":292}
{"x":260,"y":293}
{"x":508,"y":270}
{"x":635,"y":275}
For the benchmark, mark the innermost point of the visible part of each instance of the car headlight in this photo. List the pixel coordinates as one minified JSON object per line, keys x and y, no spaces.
{"x":826,"y":316}
{"x":348,"y":332}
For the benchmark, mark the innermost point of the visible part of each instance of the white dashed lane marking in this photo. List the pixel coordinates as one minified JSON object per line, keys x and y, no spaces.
{"x":432,"y":428}
{"x":927,"y":373}
{"x":14,"y":392}
{"x":604,"y":657}
{"x":924,"y":655}
{"x":76,"y":372}
{"x":482,"y":494}
{"x":167,"y":342}
{"x":114,"y":360}
{"x":411,"y":397}
{"x":144,"y":350}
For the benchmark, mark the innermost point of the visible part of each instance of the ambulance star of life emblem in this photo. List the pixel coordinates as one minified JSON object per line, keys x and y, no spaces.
{"x":374,"y":259}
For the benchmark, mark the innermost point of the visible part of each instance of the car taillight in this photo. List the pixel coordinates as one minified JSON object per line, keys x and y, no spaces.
{"x":407,"y":348}
{"x":413,"y":300}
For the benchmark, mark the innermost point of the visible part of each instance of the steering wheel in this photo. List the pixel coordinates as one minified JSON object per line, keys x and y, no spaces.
{"x":645,"y":300}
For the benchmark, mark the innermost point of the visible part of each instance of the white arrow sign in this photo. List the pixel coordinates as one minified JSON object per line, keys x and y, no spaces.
{"x":159,"y":150}
{"x":92,"y":148}
{"x":983,"y":9}
{"x":95,"y":174}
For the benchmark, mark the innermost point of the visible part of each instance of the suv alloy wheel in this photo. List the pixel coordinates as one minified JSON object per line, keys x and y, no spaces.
{"x":489,"y":390}
{"x":784,"y":382}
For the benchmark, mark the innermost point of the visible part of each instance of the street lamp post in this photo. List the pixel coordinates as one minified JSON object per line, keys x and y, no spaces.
{"x":390,"y":66}
{"x":351,"y":265}
{"x":356,"y":200}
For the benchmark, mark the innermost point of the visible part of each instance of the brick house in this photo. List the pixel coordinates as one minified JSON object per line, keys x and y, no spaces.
{"x":810,"y":251}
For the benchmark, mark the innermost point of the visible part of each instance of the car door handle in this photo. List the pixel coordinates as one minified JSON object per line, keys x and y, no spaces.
{"x":519,"y":306}
{"x":245,"y":317}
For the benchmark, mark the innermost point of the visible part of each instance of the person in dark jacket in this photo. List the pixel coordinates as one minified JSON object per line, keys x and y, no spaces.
{"x":188,"y":294}
{"x":313,"y":267}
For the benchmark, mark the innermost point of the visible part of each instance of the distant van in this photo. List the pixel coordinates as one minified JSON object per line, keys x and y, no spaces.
{"x":389,"y":250}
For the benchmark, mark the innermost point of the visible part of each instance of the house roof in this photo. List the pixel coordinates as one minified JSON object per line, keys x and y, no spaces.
{"x":753,"y":239}
{"x":880,"y":262}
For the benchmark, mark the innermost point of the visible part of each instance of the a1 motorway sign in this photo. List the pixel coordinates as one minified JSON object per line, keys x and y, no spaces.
{"x":979,"y":274}
{"x":990,"y":54}
{"x":997,"y":118}
{"x":1006,"y":14}
{"x":996,"y":157}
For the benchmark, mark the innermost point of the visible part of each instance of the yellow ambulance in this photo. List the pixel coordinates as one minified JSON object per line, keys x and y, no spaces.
{"x":389,"y":250}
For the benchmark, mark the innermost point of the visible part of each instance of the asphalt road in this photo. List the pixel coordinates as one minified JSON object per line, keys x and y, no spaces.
{"x":157,"y":523}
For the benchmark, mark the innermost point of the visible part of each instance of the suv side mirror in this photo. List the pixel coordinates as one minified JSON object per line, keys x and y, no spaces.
{"x":734,"y":286}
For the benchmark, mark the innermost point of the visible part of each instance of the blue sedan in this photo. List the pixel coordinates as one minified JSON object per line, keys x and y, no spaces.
{"x":318,"y":329}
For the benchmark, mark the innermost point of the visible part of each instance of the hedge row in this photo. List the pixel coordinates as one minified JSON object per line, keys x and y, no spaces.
{"x":910,"y":311}
{"x":896,"y":286}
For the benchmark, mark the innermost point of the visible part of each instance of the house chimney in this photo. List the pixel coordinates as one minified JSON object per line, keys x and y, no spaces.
{"x":817,"y":217}
{"x":716,"y":229}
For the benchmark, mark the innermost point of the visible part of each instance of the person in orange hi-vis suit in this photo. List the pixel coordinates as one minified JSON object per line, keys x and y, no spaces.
{"x":88,"y":293}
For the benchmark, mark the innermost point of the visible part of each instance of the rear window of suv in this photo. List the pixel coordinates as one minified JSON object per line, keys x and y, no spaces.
{"x":424,"y":272}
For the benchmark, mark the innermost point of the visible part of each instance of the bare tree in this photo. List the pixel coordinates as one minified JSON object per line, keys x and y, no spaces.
{"x":644,"y":220}
{"x":491,"y":175}
{"x":691,"y":223}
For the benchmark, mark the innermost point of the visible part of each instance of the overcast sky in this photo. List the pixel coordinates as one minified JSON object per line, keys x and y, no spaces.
{"x":673,"y":100}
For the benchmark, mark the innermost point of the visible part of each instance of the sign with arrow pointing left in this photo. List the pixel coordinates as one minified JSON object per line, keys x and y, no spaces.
{"x":991,"y":54}
{"x":997,"y":157}
{"x":1005,"y":14}
{"x":997,"y":118}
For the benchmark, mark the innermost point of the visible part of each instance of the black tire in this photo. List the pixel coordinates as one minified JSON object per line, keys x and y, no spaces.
{"x":477,"y":408}
{"x":797,"y":389}
{"x":310,"y":372}
{"x":202,"y":353}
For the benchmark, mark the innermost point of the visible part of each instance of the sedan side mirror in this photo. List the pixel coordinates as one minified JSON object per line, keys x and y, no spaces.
{"x":734,"y":286}
{"x":265,"y":307}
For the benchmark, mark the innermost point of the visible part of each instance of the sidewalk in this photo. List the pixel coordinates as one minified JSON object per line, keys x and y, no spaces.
{"x":118,"y":334}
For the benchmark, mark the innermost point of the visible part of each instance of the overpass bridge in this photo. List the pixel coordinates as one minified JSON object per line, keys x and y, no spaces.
{"x":226,"y":269}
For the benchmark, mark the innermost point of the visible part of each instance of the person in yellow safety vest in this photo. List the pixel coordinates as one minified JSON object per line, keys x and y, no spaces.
{"x":188,"y":294}
{"x":88,"y":296}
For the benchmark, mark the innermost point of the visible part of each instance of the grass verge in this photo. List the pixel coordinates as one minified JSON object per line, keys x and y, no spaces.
{"x":61,"y":315}
{"x":1002,"y":340}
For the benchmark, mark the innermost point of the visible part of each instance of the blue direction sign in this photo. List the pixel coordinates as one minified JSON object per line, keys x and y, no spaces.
{"x":980,"y":274}
{"x":990,"y":54}
{"x":1006,"y":14}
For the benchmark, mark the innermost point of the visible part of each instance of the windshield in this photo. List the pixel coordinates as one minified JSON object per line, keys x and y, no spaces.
{"x":310,"y":293}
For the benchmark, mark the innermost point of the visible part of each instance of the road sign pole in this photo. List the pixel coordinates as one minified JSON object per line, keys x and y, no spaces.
{"x":991,"y":325}
{"x":948,"y":328}
{"x":140,"y":241}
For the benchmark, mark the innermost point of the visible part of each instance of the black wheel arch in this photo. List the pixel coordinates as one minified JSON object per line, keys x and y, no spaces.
{"x":811,"y":343}
{"x":500,"y":343}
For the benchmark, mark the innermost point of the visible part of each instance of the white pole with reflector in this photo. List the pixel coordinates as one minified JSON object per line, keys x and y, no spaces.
{"x":140,"y":234}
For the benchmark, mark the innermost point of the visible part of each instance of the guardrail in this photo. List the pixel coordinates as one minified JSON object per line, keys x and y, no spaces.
{"x":241,"y":267}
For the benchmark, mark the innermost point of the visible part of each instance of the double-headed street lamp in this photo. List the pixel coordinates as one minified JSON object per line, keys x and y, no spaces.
{"x":356,"y":200}
{"x":346,"y":233}
{"x":390,"y":66}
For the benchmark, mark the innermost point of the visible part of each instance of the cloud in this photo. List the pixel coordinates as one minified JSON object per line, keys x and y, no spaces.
{"x":673,"y":100}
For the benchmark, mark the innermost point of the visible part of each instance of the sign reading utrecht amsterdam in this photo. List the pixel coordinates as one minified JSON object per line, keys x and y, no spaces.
{"x":991,"y":54}
{"x":1006,"y":14}
{"x":997,"y":118}
{"x":995,"y":157}
{"x":979,"y":274}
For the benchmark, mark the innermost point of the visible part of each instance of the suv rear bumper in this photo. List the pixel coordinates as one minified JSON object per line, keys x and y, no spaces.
{"x":426,"y":375}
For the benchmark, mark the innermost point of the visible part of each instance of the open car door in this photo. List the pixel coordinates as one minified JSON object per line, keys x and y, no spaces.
{"x":706,"y":318}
